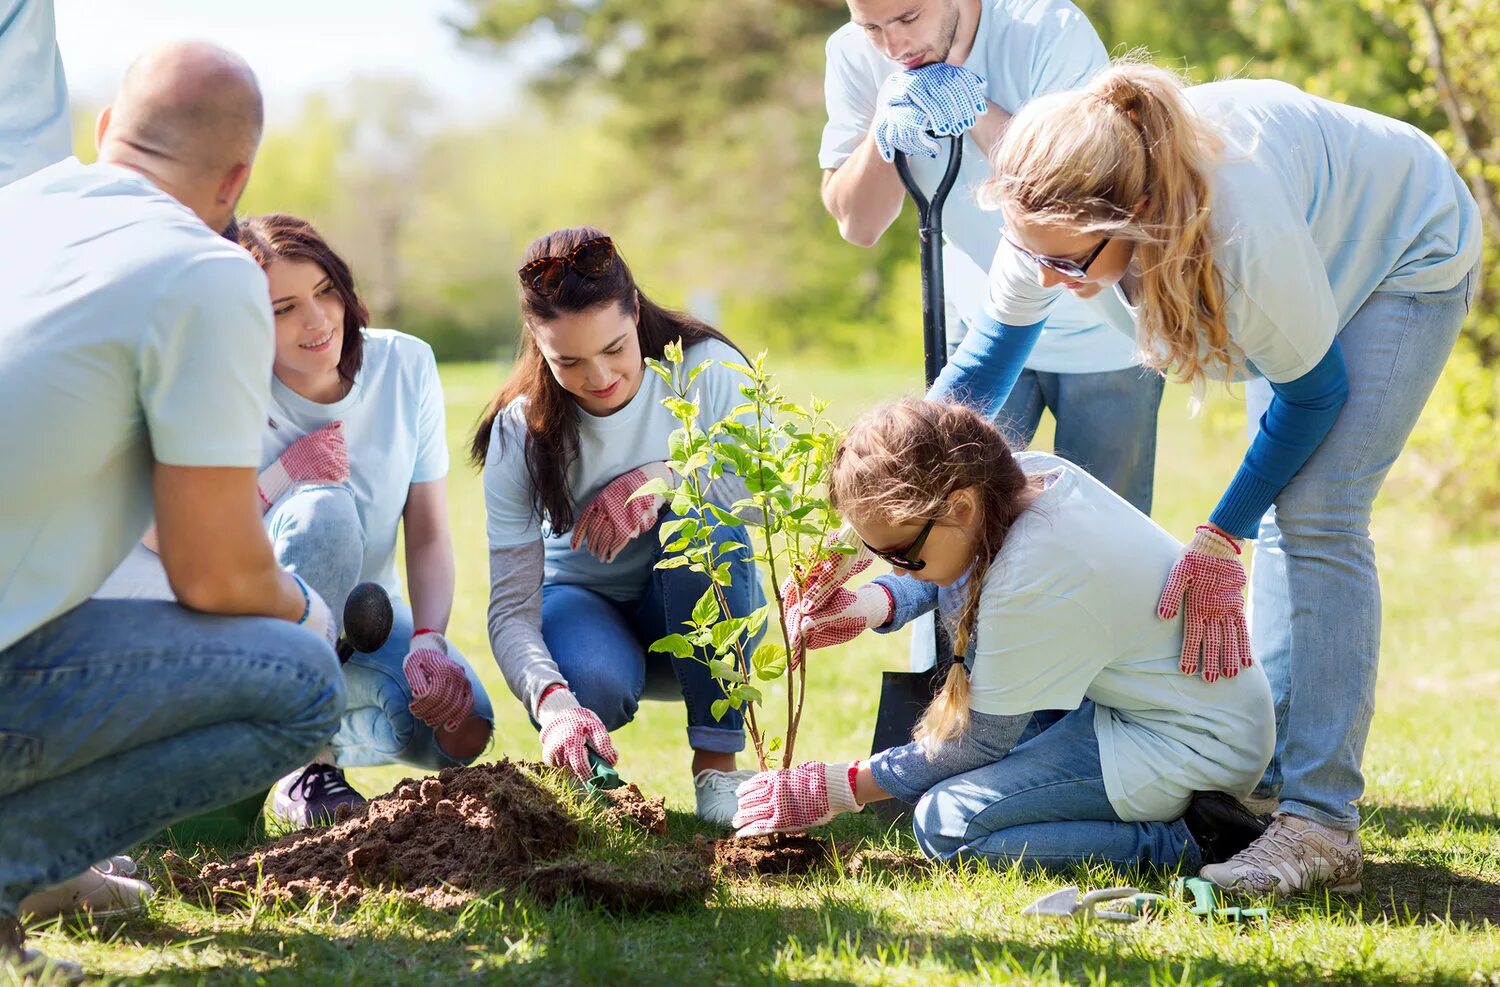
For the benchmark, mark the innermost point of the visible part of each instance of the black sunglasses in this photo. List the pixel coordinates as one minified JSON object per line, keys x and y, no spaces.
{"x":591,"y":259}
{"x":1067,"y":268}
{"x":905,"y":558}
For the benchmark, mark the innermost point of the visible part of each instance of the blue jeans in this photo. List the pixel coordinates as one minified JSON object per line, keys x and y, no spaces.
{"x":1314,"y":590}
{"x":1106,"y":423}
{"x":316,"y":533}
{"x":600,"y":646}
{"x":1045,"y":803}
{"x":123,"y":716}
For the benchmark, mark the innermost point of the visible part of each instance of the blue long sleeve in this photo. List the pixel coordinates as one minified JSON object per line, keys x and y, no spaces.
{"x":987,"y":365}
{"x":1300,"y":416}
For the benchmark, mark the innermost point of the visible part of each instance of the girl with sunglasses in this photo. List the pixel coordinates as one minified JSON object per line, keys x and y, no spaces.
{"x":575,"y":596}
{"x":1058,"y":575}
{"x":1326,"y":252}
{"x":356,"y":448}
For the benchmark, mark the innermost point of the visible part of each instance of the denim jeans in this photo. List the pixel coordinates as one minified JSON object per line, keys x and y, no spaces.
{"x":601,"y":646}
{"x":1314,"y":590}
{"x":316,"y":533}
{"x":123,"y":716}
{"x":1106,"y":423}
{"x":1045,"y":803}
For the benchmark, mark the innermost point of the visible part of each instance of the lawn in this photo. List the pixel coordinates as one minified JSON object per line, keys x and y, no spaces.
{"x":1428,"y":914}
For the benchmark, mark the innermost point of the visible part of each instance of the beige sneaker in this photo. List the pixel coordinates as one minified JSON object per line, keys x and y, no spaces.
{"x":1292,"y":856}
{"x":714,"y":791}
{"x":101,"y":891}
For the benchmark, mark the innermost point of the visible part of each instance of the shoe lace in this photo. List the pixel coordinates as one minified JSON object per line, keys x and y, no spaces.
{"x":322,"y":781}
{"x":724,"y":781}
{"x":1278,"y":842}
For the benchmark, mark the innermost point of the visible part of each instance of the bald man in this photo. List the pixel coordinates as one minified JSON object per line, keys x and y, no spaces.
{"x":135,"y":347}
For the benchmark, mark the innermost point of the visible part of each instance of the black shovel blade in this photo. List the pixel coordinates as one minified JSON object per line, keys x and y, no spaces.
{"x":903,"y":697}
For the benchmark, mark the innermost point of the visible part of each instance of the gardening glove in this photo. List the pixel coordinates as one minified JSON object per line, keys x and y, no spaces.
{"x":614,"y":517}
{"x":951,"y":96}
{"x":318,"y":457}
{"x":569,"y":730}
{"x":316,"y":616}
{"x":1207,"y":585}
{"x":794,"y":799}
{"x":902,"y":127}
{"x":441,"y":695}
{"x":822,"y":611}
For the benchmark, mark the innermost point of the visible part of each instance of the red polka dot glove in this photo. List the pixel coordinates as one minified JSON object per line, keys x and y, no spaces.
{"x":441,"y":695}
{"x":794,"y":799}
{"x":1207,"y":586}
{"x":613,"y":518}
{"x":569,"y":730}
{"x":318,"y":457}
{"x":822,"y":612}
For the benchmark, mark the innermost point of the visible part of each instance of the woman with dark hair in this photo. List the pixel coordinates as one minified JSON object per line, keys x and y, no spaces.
{"x":355,"y":445}
{"x":576,"y":597}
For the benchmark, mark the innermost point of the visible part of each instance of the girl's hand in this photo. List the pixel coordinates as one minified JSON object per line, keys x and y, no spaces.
{"x":822,"y":611}
{"x":1207,"y":585}
{"x":794,"y":799}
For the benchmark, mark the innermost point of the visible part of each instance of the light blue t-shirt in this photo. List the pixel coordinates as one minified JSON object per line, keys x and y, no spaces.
{"x":35,"y":130}
{"x":130,"y":332}
{"x":1068,"y":612}
{"x":1022,"y":49}
{"x":1316,"y":206}
{"x":395,"y":431}
{"x":608,"y":448}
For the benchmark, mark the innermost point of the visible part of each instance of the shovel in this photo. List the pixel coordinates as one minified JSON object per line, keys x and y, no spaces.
{"x":904,"y":695}
{"x":1068,"y":903}
{"x":367,"y":621}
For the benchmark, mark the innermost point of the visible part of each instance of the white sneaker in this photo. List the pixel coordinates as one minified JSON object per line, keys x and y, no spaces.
{"x":97,"y":892}
{"x":714,"y":790}
{"x":1292,"y":856}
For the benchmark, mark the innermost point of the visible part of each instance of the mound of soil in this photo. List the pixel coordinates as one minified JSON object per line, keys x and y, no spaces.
{"x":778,"y":854}
{"x":894,"y":862}
{"x":442,"y":841}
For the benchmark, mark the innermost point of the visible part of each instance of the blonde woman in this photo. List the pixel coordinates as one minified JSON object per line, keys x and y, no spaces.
{"x":1058,"y":575}
{"x":1253,"y":230}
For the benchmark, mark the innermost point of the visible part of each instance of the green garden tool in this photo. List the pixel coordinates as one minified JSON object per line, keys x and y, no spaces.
{"x":604,"y":777}
{"x":1206,"y":897}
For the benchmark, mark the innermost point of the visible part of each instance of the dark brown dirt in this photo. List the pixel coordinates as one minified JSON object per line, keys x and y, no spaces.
{"x":627,"y":804}
{"x":865,"y":863}
{"x":442,"y":841}
{"x":779,"y":854}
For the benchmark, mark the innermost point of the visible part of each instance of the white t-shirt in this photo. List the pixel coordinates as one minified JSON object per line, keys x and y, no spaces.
{"x":130,"y":332}
{"x":607,"y":448}
{"x":35,"y":130}
{"x":1022,"y":49}
{"x":1316,"y":206}
{"x":395,"y":431}
{"x":1068,"y":613}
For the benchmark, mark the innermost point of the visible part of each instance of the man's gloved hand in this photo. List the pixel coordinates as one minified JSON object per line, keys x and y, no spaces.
{"x":441,"y":695}
{"x":951,"y":96}
{"x":1207,"y":585}
{"x":316,"y":616}
{"x":613,"y":518}
{"x":793,"y":799}
{"x":569,"y":730}
{"x":902,"y":128}
{"x":317,"y":457}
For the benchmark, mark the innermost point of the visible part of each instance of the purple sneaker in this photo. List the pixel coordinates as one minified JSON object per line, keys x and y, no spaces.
{"x":313,"y":796}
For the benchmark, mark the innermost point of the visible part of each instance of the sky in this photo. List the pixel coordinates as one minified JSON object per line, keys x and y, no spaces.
{"x":298,"y":47}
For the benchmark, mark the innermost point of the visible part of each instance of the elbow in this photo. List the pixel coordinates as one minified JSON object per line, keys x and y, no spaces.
{"x":217,"y":593}
{"x":860,"y":234}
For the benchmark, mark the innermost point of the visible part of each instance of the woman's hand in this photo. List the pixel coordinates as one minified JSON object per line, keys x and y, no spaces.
{"x":1207,"y":585}
{"x":441,"y":695}
{"x":614,"y":517}
{"x":317,"y":457}
{"x":569,"y":731}
{"x":794,"y":799}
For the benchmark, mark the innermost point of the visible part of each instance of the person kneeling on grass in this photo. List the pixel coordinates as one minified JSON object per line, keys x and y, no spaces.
{"x":1056,"y":571}
{"x":356,"y":447}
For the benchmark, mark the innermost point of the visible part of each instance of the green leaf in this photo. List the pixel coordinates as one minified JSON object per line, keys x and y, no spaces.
{"x":739,"y":368}
{"x":719,"y":708}
{"x":654,"y":487}
{"x":672,"y":527}
{"x":723,"y":516}
{"x":745,"y":694}
{"x":769,"y":662}
{"x":725,"y":631}
{"x":706,"y":610}
{"x":674,"y":644}
{"x":673,"y":351}
{"x":674,"y":562}
{"x":756,"y":622}
{"x":724,"y":671}
{"x":774,"y":744}
{"x":693,"y":373}
{"x":681,"y":409}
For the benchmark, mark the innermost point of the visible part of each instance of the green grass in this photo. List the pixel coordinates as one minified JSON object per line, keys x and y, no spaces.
{"x":1432,"y":836}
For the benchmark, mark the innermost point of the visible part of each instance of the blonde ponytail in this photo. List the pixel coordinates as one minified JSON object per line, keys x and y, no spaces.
{"x":947,"y":716}
{"x":1126,"y":157}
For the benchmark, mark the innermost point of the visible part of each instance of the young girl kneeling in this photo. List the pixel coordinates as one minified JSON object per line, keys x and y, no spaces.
{"x":1060,"y":578}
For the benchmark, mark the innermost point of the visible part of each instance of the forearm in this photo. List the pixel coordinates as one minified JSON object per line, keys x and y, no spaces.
{"x":987,"y":365}
{"x":515,"y":622}
{"x":429,"y":583}
{"x":910,"y":598}
{"x":989,"y":128}
{"x":864,"y":195}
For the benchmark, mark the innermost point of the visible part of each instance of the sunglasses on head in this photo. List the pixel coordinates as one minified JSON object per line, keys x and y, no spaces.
{"x":906,"y":557}
{"x":590,"y":259}
{"x":1062,"y":265}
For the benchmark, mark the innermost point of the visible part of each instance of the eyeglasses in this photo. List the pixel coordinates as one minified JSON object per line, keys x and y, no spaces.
{"x":590,"y":259}
{"x":905,"y":558}
{"x":1067,"y":268}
